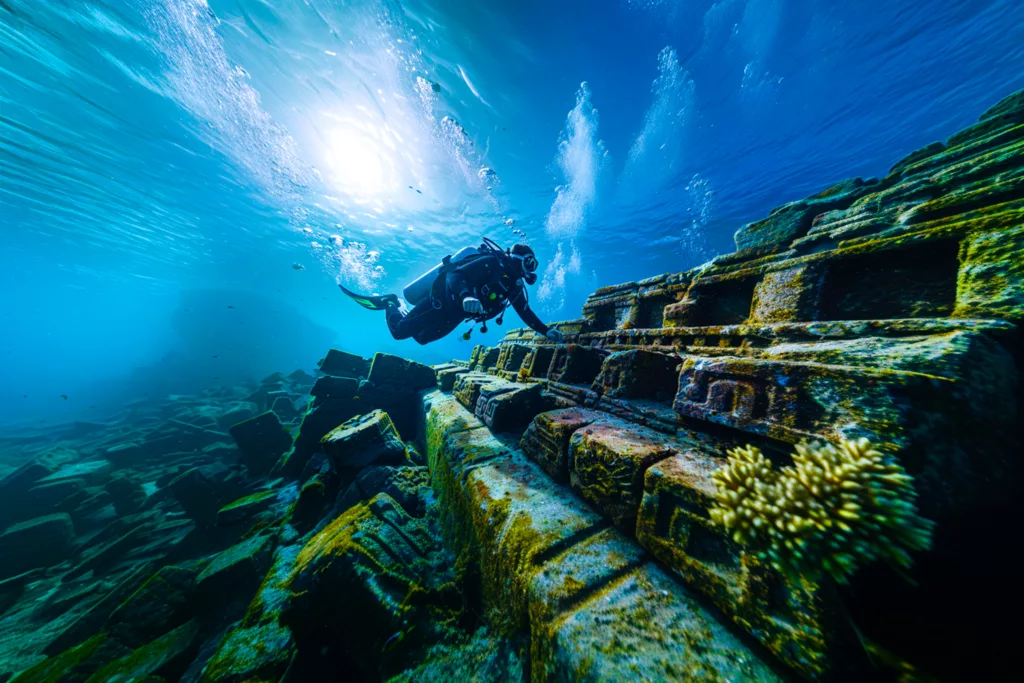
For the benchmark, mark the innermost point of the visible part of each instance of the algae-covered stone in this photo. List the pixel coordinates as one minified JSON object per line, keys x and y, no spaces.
{"x":235,"y":572}
{"x":245,"y":508}
{"x":164,"y":602}
{"x":343,"y":364}
{"x":310,"y":504}
{"x":262,"y":440}
{"x":388,"y":370}
{"x":408,"y":486}
{"x":793,"y":220}
{"x":607,"y":461}
{"x":653,"y":630}
{"x":364,"y":440}
{"x":546,"y":440}
{"x":363,"y":577}
{"x":75,"y":665}
{"x":168,"y":654}
{"x":39,"y":542}
{"x":331,"y":387}
{"x":196,"y":494}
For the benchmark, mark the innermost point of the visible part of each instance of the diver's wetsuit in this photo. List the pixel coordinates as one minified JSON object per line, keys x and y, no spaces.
{"x":485,"y":277}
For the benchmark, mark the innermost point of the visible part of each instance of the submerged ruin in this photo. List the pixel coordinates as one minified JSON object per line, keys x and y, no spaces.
{"x":541,"y":511}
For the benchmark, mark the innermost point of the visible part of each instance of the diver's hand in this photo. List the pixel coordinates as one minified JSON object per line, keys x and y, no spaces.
{"x":554,"y":335}
{"x":472,"y":305}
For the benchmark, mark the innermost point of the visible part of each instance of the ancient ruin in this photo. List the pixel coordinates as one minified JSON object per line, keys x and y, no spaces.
{"x":541,"y":511}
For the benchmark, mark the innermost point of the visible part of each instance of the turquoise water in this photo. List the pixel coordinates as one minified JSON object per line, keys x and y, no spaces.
{"x":164,"y":164}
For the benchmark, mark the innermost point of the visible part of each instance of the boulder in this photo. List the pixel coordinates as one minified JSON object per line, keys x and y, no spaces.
{"x":168,"y":655}
{"x":388,"y":370}
{"x":329,"y":386}
{"x":370,"y":573}
{"x":607,"y":462}
{"x":301,"y":379}
{"x":126,"y":493}
{"x":364,"y":440}
{"x":196,"y":495}
{"x":13,"y":488}
{"x":310,"y":504}
{"x":245,"y":508}
{"x":40,"y":542}
{"x":238,"y":412}
{"x":236,"y":572}
{"x":408,"y":486}
{"x":262,"y":441}
{"x":75,"y":665}
{"x":165,"y":601}
{"x":344,"y":364}
{"x":317,"y":422}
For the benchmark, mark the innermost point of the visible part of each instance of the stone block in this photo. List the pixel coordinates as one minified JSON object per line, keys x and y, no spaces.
{"x":467,"y":387}
{"x":40,"y":542}
{"x":362,"y":569}
{"x":537,"y":362}
{"x":511,"y":357}
{"x":169,"y":655}
{"x":262,"y":440}
{"x":165,"y":601}
{"x":447,"y":374}
{"x":504,"y":408}
{"x":409,"y":375}
{"x":331,"y":387}
{"x":546,"y":440}
{"x":594,"y":609}
{"x":646,"y":626}
{"x":575,"y":364}
{"x":800,"y":624}
{"x":315,"y":424}
{"x":244,"y":509}
{"x":788,"y":295}
{"x":638,"y":374}
{"x":364,"y":440}
{"x":607,"y":463}
{"x":343,"y":364}
{"x":196,"y":495}
{"x":486,"y":358}
{"x":793,"y":220}
{"x":236,"y":572}
{"x":991,"y":282}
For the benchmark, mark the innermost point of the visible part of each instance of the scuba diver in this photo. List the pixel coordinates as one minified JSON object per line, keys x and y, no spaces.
{"x":475,"y":284}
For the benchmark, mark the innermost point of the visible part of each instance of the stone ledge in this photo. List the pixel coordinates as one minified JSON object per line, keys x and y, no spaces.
{"x":547,"y":564}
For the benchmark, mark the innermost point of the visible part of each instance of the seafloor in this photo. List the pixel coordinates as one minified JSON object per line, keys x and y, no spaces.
{"x":580,"y":511}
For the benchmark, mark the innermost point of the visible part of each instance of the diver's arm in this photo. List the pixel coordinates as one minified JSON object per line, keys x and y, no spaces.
{"x":522,"y":306}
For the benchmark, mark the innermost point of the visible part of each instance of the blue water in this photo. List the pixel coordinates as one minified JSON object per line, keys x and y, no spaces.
{"x":164,"y":163}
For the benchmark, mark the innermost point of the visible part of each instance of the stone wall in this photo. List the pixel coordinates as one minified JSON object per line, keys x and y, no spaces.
{"x":881,"y":308}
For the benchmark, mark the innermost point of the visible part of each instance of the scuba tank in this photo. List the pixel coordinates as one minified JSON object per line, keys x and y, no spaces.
{"x":418,"y":291}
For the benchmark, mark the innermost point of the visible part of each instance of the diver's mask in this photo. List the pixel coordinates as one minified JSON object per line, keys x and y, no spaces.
{"x":529,"y":264}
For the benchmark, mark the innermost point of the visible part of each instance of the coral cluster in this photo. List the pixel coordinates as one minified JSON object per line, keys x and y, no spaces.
{"x":834,"y":509}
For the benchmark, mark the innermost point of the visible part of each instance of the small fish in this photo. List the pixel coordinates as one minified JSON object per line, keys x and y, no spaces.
{"x":64,"y":396}
{"x":298,"y":266}
{"x":418,"y":192}
{"x":230,"y":306}
{"x":393,"y":640}
{"x":216,"y":356}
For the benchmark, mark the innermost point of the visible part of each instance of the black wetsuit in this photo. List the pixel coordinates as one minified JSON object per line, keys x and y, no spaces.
{"x":487,"y":277}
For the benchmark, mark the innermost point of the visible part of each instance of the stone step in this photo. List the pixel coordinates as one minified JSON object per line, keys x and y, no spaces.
{"x":595,"y":606}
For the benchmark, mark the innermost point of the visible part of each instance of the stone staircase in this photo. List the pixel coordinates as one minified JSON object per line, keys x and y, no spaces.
{"x":885,"y":309}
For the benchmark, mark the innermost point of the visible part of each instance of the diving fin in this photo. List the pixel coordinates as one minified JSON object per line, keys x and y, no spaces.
{"x":373,"y":303}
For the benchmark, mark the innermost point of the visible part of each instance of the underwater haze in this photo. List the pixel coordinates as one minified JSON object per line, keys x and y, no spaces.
{"x":183,"y":183}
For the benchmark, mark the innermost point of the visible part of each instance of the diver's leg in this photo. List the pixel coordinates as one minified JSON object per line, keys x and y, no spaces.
{"x":441,"y":326}
{"x":408,"y":325}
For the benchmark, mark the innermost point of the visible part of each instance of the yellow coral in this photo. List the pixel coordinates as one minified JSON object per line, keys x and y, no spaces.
{"x":833,"y":509}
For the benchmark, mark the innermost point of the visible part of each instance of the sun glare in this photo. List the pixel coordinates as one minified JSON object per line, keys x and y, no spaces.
{"x":362,"y":162}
